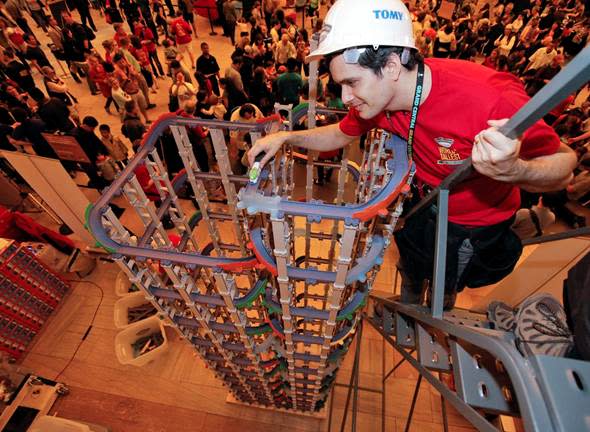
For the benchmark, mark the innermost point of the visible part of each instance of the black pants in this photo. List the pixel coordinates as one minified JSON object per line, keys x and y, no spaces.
{"x":214,"y":84}
{"x":496,"y":249}
{"x":201,"y":156}
{"x":149,"y":78}
{"x":170,"y":7}
{"x":86,"y":18}
{"x":155,"y":63}
{"x":23,"y":24}
{"x":110,"y":101}
{"x":230,"y":30}
{"x":96,"y":181}
{"x":40,"y":18}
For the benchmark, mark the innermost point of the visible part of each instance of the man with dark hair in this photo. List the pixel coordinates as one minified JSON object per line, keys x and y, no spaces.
{"x":29,"y":129}
{"x":35,"y":54}
{"x":132,"y":128}
{"x":289,"y":84}
{"x":448,"y":110}
{"x":53,"y":111}
{"x":17,"y":71}
{"x":207,"y":65}
{"x":93,"y":147}
{"x":236,"y":93}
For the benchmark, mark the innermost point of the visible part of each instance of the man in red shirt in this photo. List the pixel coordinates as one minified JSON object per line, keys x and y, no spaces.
{"x":371,"y":53}
{"x":182,"y":32}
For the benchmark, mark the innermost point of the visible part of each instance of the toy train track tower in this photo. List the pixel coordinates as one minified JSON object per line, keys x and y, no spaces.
{"x":267,"y":286}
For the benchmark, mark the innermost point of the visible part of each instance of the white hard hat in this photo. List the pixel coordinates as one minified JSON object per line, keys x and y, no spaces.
{"x":362,"y":23}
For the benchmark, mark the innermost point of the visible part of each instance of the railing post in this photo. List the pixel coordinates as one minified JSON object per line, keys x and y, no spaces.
{"x":440,"y":254}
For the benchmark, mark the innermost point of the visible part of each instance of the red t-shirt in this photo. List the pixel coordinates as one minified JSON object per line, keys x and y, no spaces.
{"x":147,"y":38}
{"x":182,"y":30}
{"x":142,"y":56}
{"x":463,"y":97}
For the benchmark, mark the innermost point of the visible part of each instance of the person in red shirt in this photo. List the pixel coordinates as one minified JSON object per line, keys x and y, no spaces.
{"x":491,"y":61}
{"x":120,"y":33}
{"x":196,"y":134}
{"x":147,"y":39}
{"x":141,"y":54}
{"x":100,"y":77}
{"x":182,"y":32}
{"x":460,"y":108}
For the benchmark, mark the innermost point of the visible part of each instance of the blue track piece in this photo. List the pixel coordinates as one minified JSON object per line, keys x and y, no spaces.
{"x":357,"y":301}
{"x":96,"y":211}
{"x":367,"y":262}
{"x":258,"y":330}
{"x":399,"y":169}
{"x":356,"y":273}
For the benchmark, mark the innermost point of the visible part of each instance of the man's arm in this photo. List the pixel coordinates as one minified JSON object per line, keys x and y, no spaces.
{"x":548,"y":173}
{"x":497,"y":157}
{"x":324,"y":138}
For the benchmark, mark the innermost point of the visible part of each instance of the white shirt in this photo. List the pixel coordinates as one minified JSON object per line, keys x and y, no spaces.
{"x":541,"y":58}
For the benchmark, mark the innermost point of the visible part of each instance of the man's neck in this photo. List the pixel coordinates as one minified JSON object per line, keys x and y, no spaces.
{"x":404,"y":100}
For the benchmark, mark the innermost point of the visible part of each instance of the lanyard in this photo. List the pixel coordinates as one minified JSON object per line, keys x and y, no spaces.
{"x":415,"y":108}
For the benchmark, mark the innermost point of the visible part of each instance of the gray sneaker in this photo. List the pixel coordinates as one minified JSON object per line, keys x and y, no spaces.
{"x":502,"y":315}
{"x":541,"y":327}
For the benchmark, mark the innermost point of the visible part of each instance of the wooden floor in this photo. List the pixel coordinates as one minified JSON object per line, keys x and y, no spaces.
{"x":176,"y":392}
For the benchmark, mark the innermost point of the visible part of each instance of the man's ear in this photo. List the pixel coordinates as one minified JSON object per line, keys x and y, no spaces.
{"x":393,"y":67}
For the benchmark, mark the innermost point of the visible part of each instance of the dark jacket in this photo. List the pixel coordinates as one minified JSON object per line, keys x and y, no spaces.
{"x":132,"y":128}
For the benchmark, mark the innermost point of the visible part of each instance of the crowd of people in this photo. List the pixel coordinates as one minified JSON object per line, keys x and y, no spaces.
{"x":155,"y":45}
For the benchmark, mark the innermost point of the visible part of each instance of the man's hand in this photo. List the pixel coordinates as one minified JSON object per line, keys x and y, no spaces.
{"x":495,"y":155}
{"x":269,"y":144}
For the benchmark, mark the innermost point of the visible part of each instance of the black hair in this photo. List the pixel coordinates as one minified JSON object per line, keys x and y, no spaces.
{"x":108,"y":67}
{"x":201,"y":95}
{"x":9,"y":52}
{"x":117,"y":57}
{"x":377,"y":59}
{"x":104,"y":127}
{"x":174,"y":64}
{"x":135,"y":42}
{"x":292,"y":64}
{"x":334,"y":88}
{"x":90,"y":121}
{"x":19,"y":114}
{"x":247,"y":109}
{"x":129,"y":106}
{"x":37,"y":95}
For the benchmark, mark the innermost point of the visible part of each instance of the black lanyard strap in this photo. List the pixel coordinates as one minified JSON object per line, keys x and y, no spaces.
{"x":415,"y":109}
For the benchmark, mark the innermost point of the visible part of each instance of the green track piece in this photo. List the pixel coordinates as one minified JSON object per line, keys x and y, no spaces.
{"x":349,"y":316}
{"x":87,"y":211}
{"x":270,"y":307}
{"x":249,"y":299}
{"x":195,"y":216}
